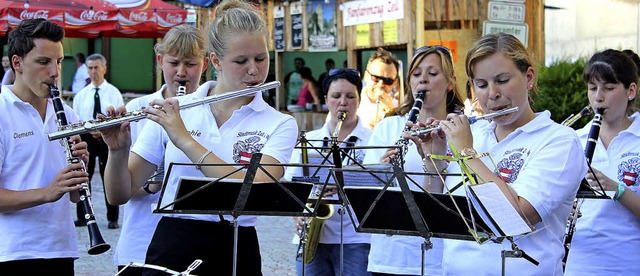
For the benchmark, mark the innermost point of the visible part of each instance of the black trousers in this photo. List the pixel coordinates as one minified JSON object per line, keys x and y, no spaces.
{"x":176,"y":243}
{"x":97,"y":148}
{"x":60,"y":266}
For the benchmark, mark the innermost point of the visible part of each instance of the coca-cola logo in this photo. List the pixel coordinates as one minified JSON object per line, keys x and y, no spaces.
{"x":34,"y":14}
{"x":138,"y":17}
{"x":174,"y":18}
{"x":92,"y":15}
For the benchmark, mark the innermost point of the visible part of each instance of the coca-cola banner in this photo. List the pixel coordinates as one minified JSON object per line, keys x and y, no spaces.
{"x":80,"y":18}
{"x":146,"y":18}
{"x":91,"y":18}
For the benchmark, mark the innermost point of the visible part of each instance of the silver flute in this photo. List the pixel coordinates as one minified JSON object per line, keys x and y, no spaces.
{"x":137,"y":115}
{"x":472,"y":119}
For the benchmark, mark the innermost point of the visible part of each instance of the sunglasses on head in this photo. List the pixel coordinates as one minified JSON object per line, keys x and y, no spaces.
{"x":385,"y":81}
{"x":348,"y":71}
{"x":440,"y":48}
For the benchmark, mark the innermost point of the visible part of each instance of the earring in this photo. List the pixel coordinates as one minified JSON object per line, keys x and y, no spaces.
{"x":630,"y":98}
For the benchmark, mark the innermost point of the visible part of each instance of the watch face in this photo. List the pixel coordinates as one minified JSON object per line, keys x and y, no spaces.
{"x":468,"y":152}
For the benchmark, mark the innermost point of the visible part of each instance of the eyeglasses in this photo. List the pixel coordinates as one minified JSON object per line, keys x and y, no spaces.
{"x":440,"y":48}
{"x":348,"y":71}
{"x":385,"y":81}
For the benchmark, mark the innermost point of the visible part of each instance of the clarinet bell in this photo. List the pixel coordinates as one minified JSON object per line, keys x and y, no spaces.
{"x":97,"y":243}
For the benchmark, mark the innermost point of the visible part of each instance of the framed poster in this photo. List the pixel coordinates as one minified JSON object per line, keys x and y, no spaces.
{"x":322,"y":27}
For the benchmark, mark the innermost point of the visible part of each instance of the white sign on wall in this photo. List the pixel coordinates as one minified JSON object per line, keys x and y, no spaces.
{"x":370,"y":11}
{"x":508,"y":12}
{"x":519,"y":30}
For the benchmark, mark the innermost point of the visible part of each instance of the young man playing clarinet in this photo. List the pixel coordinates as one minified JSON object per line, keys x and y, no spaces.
{"x":37,"y":185}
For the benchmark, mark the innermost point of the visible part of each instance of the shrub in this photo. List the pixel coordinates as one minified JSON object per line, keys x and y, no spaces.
{"x":562,"y":90}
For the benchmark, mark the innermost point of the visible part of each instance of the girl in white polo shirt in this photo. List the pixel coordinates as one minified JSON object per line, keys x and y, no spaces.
{"x":226,"y":132}
{"x":606,"y":240}
{"x":431,"y":70}
{"x":182,"y":57}
{"x":538,"y":163}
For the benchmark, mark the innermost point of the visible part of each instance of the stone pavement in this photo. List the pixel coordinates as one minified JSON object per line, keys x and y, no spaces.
{"x":274,"y":233}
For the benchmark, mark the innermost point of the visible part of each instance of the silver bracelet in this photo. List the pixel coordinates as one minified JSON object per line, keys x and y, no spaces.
{"x":201,"y":159}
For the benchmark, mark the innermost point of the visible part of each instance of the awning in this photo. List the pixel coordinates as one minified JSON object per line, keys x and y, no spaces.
{"x":80,"y":18}
{"x":146,"y":18}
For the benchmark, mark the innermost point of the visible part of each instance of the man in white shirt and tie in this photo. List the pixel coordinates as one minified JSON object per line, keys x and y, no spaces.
{"x":92,"y":100}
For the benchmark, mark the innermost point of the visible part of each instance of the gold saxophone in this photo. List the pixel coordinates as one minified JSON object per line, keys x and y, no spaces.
{"x":323,"y":211}
{"x":586,"y":111}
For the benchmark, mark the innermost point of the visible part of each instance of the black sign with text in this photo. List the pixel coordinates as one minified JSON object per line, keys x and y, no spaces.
{"x":278,"y":33}
{"x":296,"y":31}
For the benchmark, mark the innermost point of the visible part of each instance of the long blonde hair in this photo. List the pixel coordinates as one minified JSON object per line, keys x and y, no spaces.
{"x":454,"y":99}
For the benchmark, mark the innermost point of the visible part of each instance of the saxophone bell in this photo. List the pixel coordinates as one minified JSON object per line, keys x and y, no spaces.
{"x":569,"y":121}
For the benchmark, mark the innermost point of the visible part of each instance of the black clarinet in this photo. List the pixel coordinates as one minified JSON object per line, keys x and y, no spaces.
{"x":98,"y":245}
{"x":590,"y":148}
{"x":413,"y":117}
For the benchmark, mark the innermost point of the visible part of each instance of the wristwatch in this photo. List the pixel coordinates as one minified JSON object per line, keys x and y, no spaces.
{"x":468,"y":152}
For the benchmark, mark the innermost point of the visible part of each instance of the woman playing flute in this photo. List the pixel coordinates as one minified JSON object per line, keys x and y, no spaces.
{"x":227,"y":132}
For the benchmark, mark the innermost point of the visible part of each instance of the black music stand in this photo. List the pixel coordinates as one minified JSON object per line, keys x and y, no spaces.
{"x":224,"y":196}
{"x":327,"y":154}
{"x":401,"y":211}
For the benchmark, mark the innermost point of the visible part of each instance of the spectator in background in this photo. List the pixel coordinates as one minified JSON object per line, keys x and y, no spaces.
{"x":5,"y":65}
{"x":81,"y":77}
{"x":381,"y":86}
{"x":308,"y":93}
{"x":293,"y":82}
{"x":8,"y":76}
{"x":328,"y":64}
{"x":90,"y":101}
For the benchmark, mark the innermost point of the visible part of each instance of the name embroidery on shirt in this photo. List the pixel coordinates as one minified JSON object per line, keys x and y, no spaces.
{"x":244,"y":148}
{"x":195,"y":133}
{"x":628,"y":169}
{"x":509,"y":167}
{"x":23,"y":134}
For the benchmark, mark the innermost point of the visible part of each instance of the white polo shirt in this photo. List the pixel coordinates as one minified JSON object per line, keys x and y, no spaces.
{"x":138,"y":221}
{"x":606,"y":240}
{"x":544,"y":163}
{"x":83,"y":102}
{"x":80,"y":78}
{"x":331,"y":229}
{"x":400,"y":254}
{"x":28,"y":160}
{"x":255,"y":127}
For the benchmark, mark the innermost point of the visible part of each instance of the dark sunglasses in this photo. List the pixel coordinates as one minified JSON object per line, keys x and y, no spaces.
{"x":440,"y":48}
{"x":348,"y":71}
{"x":385,"y":81}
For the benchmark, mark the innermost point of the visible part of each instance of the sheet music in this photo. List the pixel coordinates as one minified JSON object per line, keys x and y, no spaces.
{"x":498,"y":209}
{"x":356,"y":176}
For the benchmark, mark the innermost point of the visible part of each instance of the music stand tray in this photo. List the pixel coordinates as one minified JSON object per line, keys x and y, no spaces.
{"x":201,"y":195}
{"x":390,"y":213}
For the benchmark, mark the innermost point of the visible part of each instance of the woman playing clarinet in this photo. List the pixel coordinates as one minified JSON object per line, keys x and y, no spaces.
{"x":430,"y":74}
{"x":606,"y":240}
{"x":223,"y":132}
{"x":538,"y":163}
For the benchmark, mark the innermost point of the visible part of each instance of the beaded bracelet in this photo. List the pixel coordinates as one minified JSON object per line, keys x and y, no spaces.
{"x":201,"y":159}
{"x":621,"y":189}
